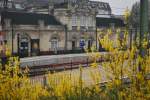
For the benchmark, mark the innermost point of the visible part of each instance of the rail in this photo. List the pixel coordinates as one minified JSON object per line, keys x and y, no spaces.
{"x":44,"y":64}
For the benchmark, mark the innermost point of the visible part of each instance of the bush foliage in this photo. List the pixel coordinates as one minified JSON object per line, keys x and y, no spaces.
{"x":127,"y":76}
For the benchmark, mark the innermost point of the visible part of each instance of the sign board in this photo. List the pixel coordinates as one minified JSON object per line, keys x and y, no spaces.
{"x":82,"y":43}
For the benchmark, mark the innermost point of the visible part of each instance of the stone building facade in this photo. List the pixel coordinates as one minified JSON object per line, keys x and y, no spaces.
{"x":80,"y":21}
{"x":31,"y":34}
{"x":55,"y":26}
{"x":79,"y":17}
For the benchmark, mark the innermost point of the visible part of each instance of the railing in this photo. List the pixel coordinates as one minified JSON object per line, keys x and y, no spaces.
{"x":44,"y":64}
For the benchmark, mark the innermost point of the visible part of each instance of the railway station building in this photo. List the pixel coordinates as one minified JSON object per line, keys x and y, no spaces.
{"x":47,"y":27}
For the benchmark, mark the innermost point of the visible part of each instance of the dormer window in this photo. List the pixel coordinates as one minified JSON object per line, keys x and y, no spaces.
{"x":18,"y":6}
{"x":106,"y":6}
{"x":41,"y":23}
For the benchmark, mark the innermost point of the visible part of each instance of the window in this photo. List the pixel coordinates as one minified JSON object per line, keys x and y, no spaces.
{"x":18,"y":6}
{"x":106,"y":6}
{"x":24,"y":46}
{"x":83,"y":28}
{"x":74,"y":27}
{"x":101,"y":5}
{"x":7,"y":22}
{"x":89,"y":21}
{"x":54,"y":44}
{"x":90,"y":28}
{"x":74,"y":20}
{"x":41,"y":23}
{"x":82,"y":21}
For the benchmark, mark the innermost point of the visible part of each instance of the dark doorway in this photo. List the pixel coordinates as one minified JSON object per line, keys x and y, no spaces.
{"x":35,"y":47}
{"x":73,"y":45}
{"x":24,"y":47}
{"x":89,"y":45}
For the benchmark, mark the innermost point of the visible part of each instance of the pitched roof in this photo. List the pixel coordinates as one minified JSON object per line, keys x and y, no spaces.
{"x":24,"y":18}
{"x":105,"y":22}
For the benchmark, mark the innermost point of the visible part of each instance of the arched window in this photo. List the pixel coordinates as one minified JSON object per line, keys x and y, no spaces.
{"x":54,"y":44}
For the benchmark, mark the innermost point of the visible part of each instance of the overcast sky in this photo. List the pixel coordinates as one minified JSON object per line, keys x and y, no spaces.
{"x":119,"y":6}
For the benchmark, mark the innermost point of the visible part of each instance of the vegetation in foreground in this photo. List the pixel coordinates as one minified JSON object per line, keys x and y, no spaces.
{"x":126,"y":80}
{"x":127,"y":76}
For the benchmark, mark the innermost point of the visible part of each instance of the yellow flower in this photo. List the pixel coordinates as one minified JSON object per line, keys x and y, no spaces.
{"x":94,"y":65}
{"x":8,"y":53}
{"x":117,"y":82}
{"x":139,"y":76}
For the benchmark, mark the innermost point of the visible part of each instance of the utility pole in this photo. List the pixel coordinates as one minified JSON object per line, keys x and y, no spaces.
{"x":96,"y":34}
{"x":143,"y":29}
{"x":18,"y":41}
{"x":143,"y":25}
{"x":96,"y":37}
{"x":12,"y":38}
{"x":66,"y":37}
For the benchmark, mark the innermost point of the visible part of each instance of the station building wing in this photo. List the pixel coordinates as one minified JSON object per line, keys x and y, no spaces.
{"x":24,"y":18}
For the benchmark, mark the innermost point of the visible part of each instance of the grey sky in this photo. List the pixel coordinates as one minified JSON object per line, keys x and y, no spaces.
{"x":119,"y":6}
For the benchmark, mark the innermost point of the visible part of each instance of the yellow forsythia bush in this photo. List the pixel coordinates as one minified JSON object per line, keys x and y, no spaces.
{"x":128,"y":72}
{"x":125,"y":72}
{"x":16,"y":86}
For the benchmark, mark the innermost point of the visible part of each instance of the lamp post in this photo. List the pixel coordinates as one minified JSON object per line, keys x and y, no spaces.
{"x":18,"y":44}
{"x":96,"y":31}
{"x":66,"y":36}
{"x":96,"y":37}
{"x":143,"y":28}
{"x":131,"y":37}
{"x":12,"y":26}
